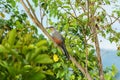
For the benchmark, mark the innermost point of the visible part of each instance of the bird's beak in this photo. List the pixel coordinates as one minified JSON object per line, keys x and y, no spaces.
{"x":51,"y":28}
{"x":47,"y":27}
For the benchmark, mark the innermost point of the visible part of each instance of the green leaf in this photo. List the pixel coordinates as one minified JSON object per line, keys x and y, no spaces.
{"x":19,"y":25}
{"x":31,"y":46}
{"x":54,"y":50}
{"x":3,"y":64}
{"x":38,"y":76}
{"x":114,"y":70}
{"x":43,"y":59}
{"x":27,"y":68}
{"x":60,"y":74}
{"x":107,"y":2}
{"x":49,"y":72}
{"x":3,"y":49}
{"x":41,"y":43}
{"x":34,"y":76}
{"x":12,"y":36}
{"x":35,"y":2}
{"x":108,"y":76}
{"x":10,"y":69}
{"x":27,"y":38}
{"x":57,"y":65}
{"x":13,"y":3}
{"x":66,"y":6}
{"x":59,"y":2}
{"x":118,"y":53}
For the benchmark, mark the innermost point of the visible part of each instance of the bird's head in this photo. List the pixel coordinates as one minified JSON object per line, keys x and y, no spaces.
{"x":51,"y":28}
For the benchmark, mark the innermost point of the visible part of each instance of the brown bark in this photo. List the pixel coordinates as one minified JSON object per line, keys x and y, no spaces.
{"x":98,"y":54}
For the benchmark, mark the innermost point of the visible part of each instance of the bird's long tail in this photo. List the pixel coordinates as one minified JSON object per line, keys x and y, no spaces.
{"x":65,"y":51}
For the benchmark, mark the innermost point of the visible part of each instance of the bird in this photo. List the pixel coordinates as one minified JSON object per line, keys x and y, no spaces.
{"x":59,"y":40}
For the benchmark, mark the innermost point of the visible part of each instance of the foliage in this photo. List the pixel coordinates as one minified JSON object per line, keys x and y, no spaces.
{"x":23,"y":53}
{"x":76,"y":22}
{"x":110,"y":73}
{"x":118,"y":53}
{"x":27,"y":55}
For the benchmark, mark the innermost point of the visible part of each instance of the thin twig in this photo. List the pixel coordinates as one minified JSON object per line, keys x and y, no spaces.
{"x":33,"y":12}
{"x":114,"y":21}
{"x":86,"y":52}
{"x":72,"y":15}
{"x":80,"y":68}
{"x":88,"y":12}
{"x":73,"y":9}
{"x":40,"y":13}
{"x":36,"y":21}
{"x":81,"y":6}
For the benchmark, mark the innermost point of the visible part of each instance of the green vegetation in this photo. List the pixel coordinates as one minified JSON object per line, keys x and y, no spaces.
{"x":27,"y":55}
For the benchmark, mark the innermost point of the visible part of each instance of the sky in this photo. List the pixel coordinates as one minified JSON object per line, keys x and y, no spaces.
{"x":105,"y":43}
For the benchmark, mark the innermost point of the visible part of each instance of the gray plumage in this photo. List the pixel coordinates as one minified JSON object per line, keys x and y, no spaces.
{"x":59,"y":37}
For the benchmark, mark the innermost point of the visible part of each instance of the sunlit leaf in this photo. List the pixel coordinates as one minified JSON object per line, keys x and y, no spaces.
{"x":12,"y":36}
{"x":41,"y":42}
{"x":19,"y":25}
{"x":34,"y":76}
{"x":35,"y":2}
{"x":43,"y":59}
{"x":114,"y":70}
{"x":3,"y":49}
{"x":66,"y":6}
{"x":13,"y":3}
{"x":48,"y":72}
{"x":107,"y":1}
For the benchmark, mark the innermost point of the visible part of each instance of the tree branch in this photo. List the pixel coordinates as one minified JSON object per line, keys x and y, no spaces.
{"x":114,"y":21}
{"x":72,"y":15}
{"x":31,"y":9}
{"x":88,"y":12}
{"x":73,"y":9}
{"x":98,"y":53}
{"x":36,"y":21}
{"x":78,"y":1}
{"x":80,"y":68}
{"x":41,"y":14}
{"x":86,"y":51}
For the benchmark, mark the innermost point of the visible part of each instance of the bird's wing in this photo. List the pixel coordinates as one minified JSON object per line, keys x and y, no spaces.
{"x":58,"y":36}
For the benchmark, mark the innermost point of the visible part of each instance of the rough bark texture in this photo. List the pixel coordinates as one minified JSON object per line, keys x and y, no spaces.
{"x":98,"y":54}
